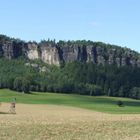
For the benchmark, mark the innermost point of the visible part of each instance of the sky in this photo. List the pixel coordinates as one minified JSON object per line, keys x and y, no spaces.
{"x":110,"y":21}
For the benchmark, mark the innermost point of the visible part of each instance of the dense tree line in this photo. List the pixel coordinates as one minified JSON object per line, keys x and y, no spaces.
{"x":76,"y":77}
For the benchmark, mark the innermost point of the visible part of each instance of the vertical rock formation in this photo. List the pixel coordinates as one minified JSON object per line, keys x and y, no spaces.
{"x":32,"y":51}
{"x":50,"y":54}
{"x":8,"y":50}
{"x":70,"y":53}
{"x":100,"y":55}
{"x":64,"y":52}
{"x":91,"y":54}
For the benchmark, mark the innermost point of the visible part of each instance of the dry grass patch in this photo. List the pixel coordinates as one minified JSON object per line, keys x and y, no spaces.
{"x":41,"y":122}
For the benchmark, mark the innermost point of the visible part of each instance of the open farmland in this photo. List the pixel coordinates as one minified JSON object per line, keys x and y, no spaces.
{"x":51,"y":122}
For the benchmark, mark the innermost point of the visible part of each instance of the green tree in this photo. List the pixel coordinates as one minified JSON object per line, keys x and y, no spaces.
{"x":135,"y":93}
{"x":25,"y":85}
{"x":22,"y":84}
{"x":18,"y":84}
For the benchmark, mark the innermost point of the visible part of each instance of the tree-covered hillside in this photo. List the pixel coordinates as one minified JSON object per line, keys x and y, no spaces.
{"x":75,"y":77}
{"x":82,"y":67}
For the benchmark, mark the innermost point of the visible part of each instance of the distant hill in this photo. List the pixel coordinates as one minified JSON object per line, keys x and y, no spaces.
{"x":80,"y":67}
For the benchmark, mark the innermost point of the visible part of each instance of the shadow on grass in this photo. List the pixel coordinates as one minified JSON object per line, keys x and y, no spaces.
{"x":113,"y":102}
{"x":6,"y":113}
{"x":131,"y":103}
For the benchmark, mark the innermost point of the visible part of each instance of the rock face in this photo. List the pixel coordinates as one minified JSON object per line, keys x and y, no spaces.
{"x":56,"y":53}
{"x":70,"y":53}
{"x":50,"y":54}
{"x":11,"y":50}
{"x":32,"y":51}
{"x":8,"y":50}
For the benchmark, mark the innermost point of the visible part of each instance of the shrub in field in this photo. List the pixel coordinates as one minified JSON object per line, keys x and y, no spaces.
{"x":120,"y":103}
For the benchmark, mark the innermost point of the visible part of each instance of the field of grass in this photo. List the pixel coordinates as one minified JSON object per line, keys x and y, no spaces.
{"x":101,"y":104}
{"x":50,"y":116}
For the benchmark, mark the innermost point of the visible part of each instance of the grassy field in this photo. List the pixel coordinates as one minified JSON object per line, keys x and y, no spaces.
{"x":49,"y":116}
{"x":101,"y":104}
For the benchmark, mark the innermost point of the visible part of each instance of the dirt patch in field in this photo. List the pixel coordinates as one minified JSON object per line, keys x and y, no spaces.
{"x":53,"y":122}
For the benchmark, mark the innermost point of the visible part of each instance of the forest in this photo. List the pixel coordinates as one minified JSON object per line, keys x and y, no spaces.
{"x":74,"y":77}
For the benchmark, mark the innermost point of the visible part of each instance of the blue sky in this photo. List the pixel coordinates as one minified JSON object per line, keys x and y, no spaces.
{"x":110,"y":21}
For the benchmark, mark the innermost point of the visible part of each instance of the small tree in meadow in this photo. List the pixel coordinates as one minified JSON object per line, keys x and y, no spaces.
{"x":120,"y":103}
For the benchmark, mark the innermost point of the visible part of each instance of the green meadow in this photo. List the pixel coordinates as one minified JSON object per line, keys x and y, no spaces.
{"x":96,"y":103}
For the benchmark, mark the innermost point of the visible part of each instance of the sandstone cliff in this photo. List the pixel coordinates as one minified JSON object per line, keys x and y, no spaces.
{"x":63,"y":52}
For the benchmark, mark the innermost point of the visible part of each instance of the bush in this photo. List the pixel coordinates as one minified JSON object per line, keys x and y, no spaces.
{"x":120,"y":103}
